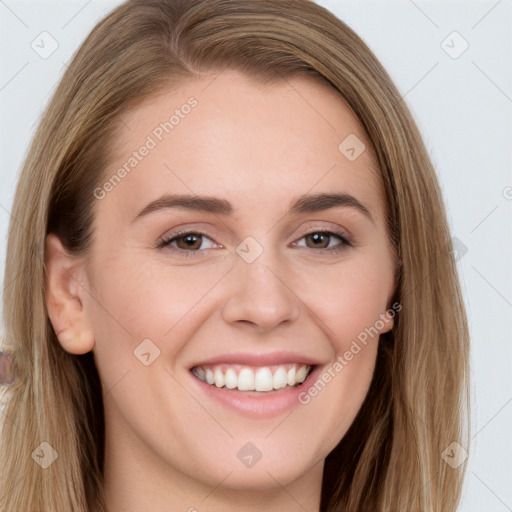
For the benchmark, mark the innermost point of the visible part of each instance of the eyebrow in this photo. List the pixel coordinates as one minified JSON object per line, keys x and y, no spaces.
{"x":303,"y":204}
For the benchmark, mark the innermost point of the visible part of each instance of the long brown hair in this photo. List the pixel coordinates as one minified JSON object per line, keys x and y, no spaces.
{"x":391,"y":459}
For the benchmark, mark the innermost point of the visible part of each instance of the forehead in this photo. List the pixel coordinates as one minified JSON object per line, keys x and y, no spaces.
{"x":227,"y":135}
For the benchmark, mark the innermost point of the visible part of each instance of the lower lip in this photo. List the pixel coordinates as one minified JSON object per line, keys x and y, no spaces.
{"x":264,"y":404}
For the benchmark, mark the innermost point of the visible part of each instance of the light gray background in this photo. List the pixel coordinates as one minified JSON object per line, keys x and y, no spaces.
{"x":463,"y":107}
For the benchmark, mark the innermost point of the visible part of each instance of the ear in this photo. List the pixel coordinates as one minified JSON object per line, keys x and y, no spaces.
{"x":64,"y":289}
{"x":387,"y":319}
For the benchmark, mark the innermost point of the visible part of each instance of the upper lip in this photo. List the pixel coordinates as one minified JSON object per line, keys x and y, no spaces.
{"x":259,"y":359}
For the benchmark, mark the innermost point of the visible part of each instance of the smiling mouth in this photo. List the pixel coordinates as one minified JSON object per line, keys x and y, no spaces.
{"x":253,"y":378}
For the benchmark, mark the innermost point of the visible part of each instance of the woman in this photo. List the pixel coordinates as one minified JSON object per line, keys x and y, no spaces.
{"x":236,"y":287}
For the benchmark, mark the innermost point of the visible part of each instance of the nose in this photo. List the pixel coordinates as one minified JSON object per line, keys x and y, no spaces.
{"x":260,"y":295}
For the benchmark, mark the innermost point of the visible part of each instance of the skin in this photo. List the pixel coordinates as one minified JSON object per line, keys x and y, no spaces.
{"x":259,"y":147}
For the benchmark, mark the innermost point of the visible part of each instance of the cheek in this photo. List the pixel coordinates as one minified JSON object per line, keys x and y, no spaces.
{"x":348,"y":301}
{"x":135,"y":300}
{"x":347,"y":307}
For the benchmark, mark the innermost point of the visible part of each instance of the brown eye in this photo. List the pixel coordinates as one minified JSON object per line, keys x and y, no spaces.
{"x":189,"y":242}
{"x":326,"y":241}
{"x":318,"y":240}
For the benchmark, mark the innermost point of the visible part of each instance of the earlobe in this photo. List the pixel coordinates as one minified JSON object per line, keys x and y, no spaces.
{"x":387,"y":319}
{"x":63,"y":298}
{"x":387,"y":323}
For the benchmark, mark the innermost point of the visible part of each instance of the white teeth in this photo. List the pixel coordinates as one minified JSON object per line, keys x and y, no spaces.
{"x":231,"y":380}
{"x":246,"y":378}
{"x":280,"y":378}
{"x":218,"y":377}
{"x":291,"y":376}
{"x":263,"y":380}
{"x":301,"y":374}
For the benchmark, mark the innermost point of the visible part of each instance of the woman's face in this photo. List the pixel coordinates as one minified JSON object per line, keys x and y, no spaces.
{"x":244,"y":245}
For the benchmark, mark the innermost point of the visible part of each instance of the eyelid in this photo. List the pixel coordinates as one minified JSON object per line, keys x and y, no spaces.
{"x":165,"y":240}
{"x":345,"y":242}
{"x":342,"y":233}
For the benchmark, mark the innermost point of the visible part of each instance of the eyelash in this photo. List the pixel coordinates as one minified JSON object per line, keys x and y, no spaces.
{"x":166,"y":241}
